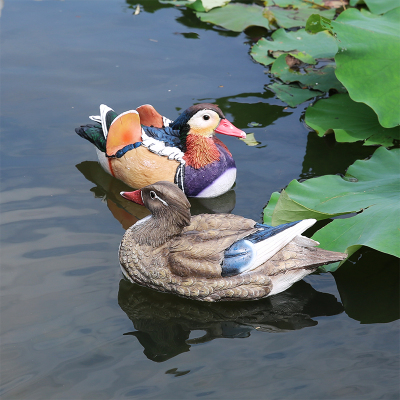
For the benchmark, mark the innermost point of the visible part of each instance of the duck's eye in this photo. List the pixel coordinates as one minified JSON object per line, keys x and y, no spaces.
{"x":152,"y":195}
{"x":206,"y":117}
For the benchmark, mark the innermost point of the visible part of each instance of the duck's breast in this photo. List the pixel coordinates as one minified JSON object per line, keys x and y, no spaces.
{"x":212,"y":180}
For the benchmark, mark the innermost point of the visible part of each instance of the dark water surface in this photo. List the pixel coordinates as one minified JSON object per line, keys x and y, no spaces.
{"x":70,"y":327}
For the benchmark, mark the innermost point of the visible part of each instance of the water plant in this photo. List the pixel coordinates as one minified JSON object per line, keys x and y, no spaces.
{"x":345,"y":55}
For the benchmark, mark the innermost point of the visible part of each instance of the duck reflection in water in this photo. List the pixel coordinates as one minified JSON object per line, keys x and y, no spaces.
{"x":163,"y":322}
{"x":128,"y":213}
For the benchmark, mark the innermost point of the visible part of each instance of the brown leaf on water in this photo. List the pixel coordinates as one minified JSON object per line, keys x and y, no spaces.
{"x":292,"y":61}
{"x":336,"y":3}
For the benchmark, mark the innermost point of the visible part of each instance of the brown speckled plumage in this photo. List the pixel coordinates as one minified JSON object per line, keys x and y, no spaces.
{"x":188,"y":262}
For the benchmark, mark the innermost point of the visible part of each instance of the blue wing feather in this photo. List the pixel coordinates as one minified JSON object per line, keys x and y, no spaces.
{"x":267,"y":231}
{"x":239,"y":256}
{"x":167,"y":135}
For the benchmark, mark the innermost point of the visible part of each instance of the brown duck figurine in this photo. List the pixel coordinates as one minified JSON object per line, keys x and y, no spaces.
{"x":213,"y":257}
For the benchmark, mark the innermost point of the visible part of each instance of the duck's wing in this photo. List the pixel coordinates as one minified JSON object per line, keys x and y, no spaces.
{"x":199,"y":250}
{"x":97,"y":133}
{"x":157,"y":127}
{"x":123,"y":133}
{"x":167,"y":135}
{"x":250,"y":252}
{"x":150,"y":117}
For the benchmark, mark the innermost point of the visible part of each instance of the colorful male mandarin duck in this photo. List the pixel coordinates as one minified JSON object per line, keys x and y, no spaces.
{"x":213,"y":257}
{"x":140,"y":147}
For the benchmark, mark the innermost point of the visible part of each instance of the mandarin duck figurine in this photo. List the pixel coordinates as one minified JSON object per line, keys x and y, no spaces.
{"x":141,"y":147}
{"x":213,"y":257}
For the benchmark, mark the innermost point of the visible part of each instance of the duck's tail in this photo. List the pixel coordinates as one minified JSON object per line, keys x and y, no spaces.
{"x":94,"y":134}
{"x":97,"y":133}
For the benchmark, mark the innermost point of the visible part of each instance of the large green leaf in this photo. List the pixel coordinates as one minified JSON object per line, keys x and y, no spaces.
{"x":368,"y":59}
{"x":292,"y":95}
{"x":207,"y":5}
{"x":350,"y":121}
{"x":322,"y":79}
{"x":377,"y":6}
{"x":177,"y":2}
{"x":236,"y":17}
{"x":320,"y":45}
{"x":197,"y":5}
{"x":370,"y":188}
{"x":296,"y":16}
{"x":299,"y":3}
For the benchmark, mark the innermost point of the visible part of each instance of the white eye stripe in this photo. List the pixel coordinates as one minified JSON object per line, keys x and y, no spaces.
{"x":156,"y":197}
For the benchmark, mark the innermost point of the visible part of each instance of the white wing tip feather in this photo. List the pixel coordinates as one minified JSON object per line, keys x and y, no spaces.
{"x":269,"y":247}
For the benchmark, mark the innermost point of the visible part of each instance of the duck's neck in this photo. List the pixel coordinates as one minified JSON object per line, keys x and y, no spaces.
{"x":200,"y":151}
{"x":155,"y":230}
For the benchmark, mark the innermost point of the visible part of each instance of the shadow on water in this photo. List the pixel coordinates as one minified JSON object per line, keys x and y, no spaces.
{"x":127,"y":213}
{"x":325,"y":156}
{"x":246,"y":108}
{"x":368,"y":283}
{"x":164,"y":322}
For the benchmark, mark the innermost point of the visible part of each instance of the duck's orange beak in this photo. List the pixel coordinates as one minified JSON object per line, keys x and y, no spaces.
{"x":226,"y":128}
{"x":135,"y":196}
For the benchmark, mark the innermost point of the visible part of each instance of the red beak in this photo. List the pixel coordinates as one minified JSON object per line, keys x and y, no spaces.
{"x":226,"y":128}
{"x":135,"y":196}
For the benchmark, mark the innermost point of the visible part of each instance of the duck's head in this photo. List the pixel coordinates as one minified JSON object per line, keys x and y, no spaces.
{"x":165,"y":201}
{"x":204,"y":120}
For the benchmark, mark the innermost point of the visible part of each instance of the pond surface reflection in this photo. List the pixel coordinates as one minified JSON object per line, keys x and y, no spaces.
{"x":164,"y":322}
{"x":65,"y":314}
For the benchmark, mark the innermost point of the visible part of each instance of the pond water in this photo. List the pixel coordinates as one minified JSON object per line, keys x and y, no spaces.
{"x":71,"y":328}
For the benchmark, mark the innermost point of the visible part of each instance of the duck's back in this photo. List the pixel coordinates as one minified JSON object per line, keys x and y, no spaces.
{"x":199,"y":250}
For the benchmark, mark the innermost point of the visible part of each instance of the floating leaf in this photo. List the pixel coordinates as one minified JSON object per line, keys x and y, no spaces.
{"x":207,"y":5}
{"x":296,"y":17}
{"x":378,"y":6}
{"x":297,"y":3}
{"x":321,"y":45}
{"x":368,"y":59}
{"x":177,"y":2}
{"x":322,"y":79}
{"x":350,"y":121}
{"x":250,"y":140}
{"x":370,"y":188}
{"x":293,"y":95}
{"x":236,"y":17}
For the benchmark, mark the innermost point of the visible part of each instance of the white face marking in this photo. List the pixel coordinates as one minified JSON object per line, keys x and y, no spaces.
{"x":162,"y":201}
{"x":154,"y":196}
{"x":204,"y":122}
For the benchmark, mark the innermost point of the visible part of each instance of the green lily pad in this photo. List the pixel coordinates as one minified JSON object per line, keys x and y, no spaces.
{"x":299,"y":3}
{"x":322,"y":79}
{"x":197,"y":5}
{"x":293,"y":95}
{"x":370,"y":188}
{"x":295,"y":17}
{"x":378,"y":6}
{"x":177,"y":2}
{"x":321,"y":45}
{"x":349,"y":121}
{"x":236,"y":17}
{"x":250,"y":140}
{"x":368,"y":58}
{"x":207,"y":5}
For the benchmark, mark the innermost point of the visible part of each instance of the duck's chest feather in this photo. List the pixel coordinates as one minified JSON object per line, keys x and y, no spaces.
{"x":214,"y":178}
